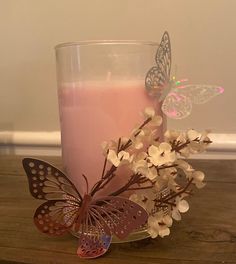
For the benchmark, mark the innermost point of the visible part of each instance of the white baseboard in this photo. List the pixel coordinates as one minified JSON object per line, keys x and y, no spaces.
{"x":49,"y":144}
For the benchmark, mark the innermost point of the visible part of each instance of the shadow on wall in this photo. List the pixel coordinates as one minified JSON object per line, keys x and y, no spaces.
{"x":6,"y":139}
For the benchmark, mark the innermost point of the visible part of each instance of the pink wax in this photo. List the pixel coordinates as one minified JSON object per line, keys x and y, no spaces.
{"x":91,"y":114}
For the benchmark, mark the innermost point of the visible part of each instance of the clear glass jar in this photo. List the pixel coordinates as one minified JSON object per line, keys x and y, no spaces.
{"x":101,"y":91}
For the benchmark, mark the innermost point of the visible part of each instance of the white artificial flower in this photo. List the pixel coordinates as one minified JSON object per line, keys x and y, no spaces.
{"x":149,"y":112}
{"x":167,"y":220}
{"x":198,"y":177}
{"x":174,"y":135}
{"x":193,"y":134}
{"x":144,"y":168}
{"x":176,"y":214}
{"x":167,"y":178}
{"x":182,"y":206}
{"x":185,"y":152}
{"x":138,"y":198}
{"x":113,"y":158}
{"x":108,"y":145}
{"x":137,"y":138}
{"x":144,"y":199}
{"x":138,"y":164}
{"x":158,"y":224}
{"x":171,"y":135}
{"x":168,"y":173}
{"x":156,"y":121}
{"x":195,"y":147}
{"x":161,"y":155}
{"x":117,"y":159}
{"x":153,"y":226}
{"x":150,"y":173}
{"x":184,"y":165}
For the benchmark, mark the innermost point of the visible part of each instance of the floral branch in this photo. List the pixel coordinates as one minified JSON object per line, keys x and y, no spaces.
{"x":113,"y":168}
{"x":168,"y":198}
{"x":155,"y":166}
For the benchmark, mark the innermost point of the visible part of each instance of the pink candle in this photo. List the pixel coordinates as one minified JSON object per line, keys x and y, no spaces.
{"x":92,"y":113}
{"x":101,"y":98}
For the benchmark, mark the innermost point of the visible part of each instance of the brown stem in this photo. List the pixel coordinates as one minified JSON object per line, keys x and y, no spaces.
{"x":166,"y":167}
{"x":133,"y":180}
{"x":176,"y":147}
{"x":127,"y":144}
{"x":97,"y":185}
{"x":118,"y":147}
{"x":106,"y":182}
{"x":140,"y":188}
{"x":104,"y":167}
{"x":111,"y":171}
{"x":167,"y":199}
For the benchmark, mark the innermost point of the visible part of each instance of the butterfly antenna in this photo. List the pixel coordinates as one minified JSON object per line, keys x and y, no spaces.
{"x":86,"y":180}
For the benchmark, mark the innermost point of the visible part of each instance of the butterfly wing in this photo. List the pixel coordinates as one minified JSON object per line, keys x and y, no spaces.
{"x":121,"y":215}
{"x":163,"y":55}
{"x":201,"y":93}
{"x":177,"y":105}
{"x":56,"y":217}
{"x":158,"y":77}
{"x":107,"y":216}
{"x":59,"y":213}
{"x":47,"y":182}
{"x":94,"y":241}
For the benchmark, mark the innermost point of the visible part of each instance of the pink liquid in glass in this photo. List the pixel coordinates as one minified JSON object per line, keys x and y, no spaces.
{"x":91,"y":114}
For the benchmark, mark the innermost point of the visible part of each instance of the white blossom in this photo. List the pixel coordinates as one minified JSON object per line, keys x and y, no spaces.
{"x":182,"y":206}
{"x":144,"y":167}
{"x":198,"y":177}
{"x":193,"y":134}
{"x":156,"y":121}
{"x":146,"y":201}
{"x":138,"y":198}
{"x":117,"y":159}
{"x":175,"y":135}
{"x":161,"y":155}
{"x":158,"y":224}
{"x":149,"y":112}
{"x":184,"y":165}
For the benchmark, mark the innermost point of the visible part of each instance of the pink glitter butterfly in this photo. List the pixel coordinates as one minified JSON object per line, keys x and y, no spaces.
{"x":177,"y":99}
{"x":94,"y":219}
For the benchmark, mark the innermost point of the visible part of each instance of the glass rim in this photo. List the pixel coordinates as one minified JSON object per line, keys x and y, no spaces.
{"x":106,"y":42}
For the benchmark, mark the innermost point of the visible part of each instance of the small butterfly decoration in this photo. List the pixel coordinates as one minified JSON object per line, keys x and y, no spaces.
{"x":177,"y":98}
{"x":65,"y":210}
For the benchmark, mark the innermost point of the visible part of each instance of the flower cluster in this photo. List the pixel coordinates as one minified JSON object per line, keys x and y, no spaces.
{"x":160,"y":178}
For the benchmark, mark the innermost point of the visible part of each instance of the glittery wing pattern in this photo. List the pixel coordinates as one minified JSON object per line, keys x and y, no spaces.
{"x":108,"y":216}
{"x":56,"y":217}
{"x":58,"y":214}
{"x":158,"y":77}
{"x":120,"y":214}
{"x":201,"y":93}
{"x":178,"y":103}
{"x":163,"y":56}
{"x":93,"y":240}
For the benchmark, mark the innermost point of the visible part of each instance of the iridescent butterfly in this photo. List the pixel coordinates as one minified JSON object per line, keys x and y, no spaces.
{"x":177,"y":99}
{"x":65,"y":210}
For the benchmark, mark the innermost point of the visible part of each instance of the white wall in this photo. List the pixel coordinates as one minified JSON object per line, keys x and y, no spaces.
{"x":203,"y":39}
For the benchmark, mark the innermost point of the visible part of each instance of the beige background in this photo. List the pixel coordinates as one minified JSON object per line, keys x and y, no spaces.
{"x":203,"y":37}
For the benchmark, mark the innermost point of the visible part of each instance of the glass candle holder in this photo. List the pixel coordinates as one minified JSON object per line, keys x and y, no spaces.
{"x":101,"y":91}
